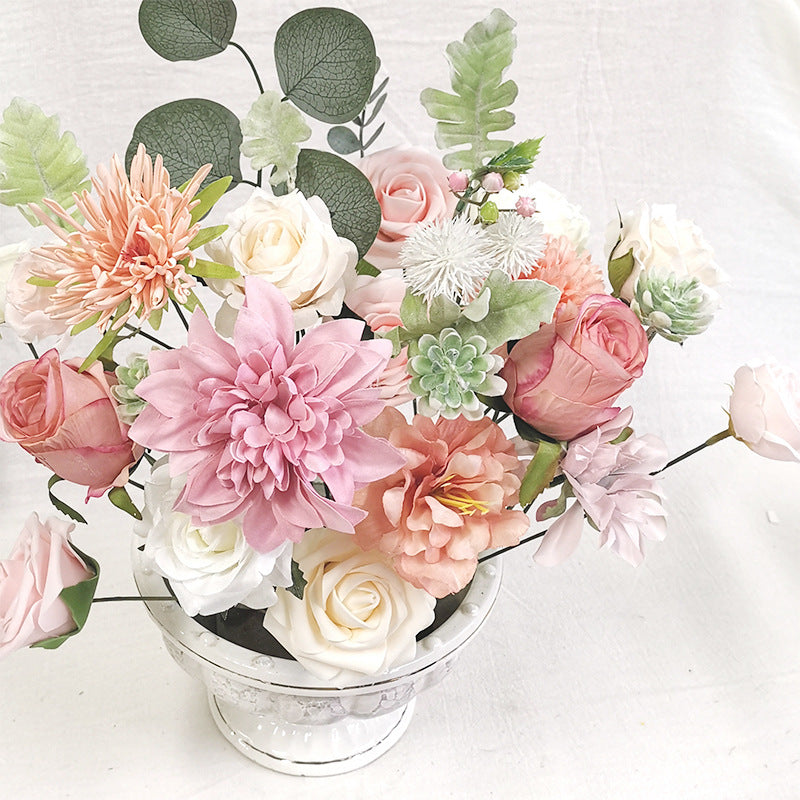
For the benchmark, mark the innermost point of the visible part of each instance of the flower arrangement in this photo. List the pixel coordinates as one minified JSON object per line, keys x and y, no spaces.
{"x":387,"y":358}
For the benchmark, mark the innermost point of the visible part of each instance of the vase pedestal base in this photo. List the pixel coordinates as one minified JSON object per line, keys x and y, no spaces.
{"x":310,"y":750}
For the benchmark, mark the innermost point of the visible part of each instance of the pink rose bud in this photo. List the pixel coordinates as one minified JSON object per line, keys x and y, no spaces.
{"x":458,"y":181}
{"x":493,"y":182}
{"x":526,"y":206}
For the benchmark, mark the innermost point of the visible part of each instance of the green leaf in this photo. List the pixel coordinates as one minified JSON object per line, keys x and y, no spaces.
{"x":206,"y":235}
{"x":365,"y":268}
{"x":478,"y":106}
{"x":35,"y":161}
{"x":325,"y":59}
{"x":516,"y":309}
{"x":188,"y":134}
{"x":207,"y":198}
{"x":85,"y":325}
{"x":60,"y":505}
{"x":187,"y":30}
{"x":121,"y":499}
{"x":78,"y":599}
{"x":556,"y":507}
{"x":342,"y":140}
{"x":619,"y":270}
{"x":108,"y":341}
{"x":211,"y":269}
{"x":35,"y":280}
{"x":540,"y":472}
{"x":518,"y":158}
{"x":419,"y":319}
{"x":345,"y":190}
{"x":298,"y":581}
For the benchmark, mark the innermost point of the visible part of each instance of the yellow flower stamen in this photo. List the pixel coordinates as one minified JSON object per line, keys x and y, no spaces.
{"x":458,"y":499}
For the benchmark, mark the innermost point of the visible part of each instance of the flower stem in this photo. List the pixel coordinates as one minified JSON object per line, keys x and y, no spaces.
{"x":130,"y":598}
{"x":33,"y":350}
{"x":717,"y":437}
{"x":252,"y":65}
{"x":146,"y":335}
{"x":502,"y":550}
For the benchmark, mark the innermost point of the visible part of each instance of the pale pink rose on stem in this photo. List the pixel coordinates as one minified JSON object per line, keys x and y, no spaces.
{"x":765,"y":410}
{"x":447,"y":504}
{"x":255,"y":422}
{"x":613,"y":486}
{"x":411,"y":186}
{"x":41,"y":564}
{"x":67,"y":420}
{"x":564,"y":379}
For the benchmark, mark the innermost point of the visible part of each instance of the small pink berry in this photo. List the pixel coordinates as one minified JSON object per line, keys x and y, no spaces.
{"x":526,"y":206}
{"x":493,"y":182}
{"x":458,"y":181}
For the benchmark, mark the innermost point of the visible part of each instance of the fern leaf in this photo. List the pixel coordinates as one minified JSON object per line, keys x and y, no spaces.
{"x":35,"y":161}
{"x":478,"y":106}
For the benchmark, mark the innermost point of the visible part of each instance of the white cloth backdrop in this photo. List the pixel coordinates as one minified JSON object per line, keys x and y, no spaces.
{"x":593,"y":680}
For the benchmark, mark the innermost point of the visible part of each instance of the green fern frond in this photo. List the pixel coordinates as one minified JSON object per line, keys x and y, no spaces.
{"x":478,"y":106}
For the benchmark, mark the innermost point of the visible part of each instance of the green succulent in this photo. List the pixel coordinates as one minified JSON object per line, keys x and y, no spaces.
{"x":449,"y":372}
{"x":129,"y":377}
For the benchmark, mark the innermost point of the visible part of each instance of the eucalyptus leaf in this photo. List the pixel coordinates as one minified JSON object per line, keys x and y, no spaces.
{"x":298,"y":581}
{"x":342,"y":140}
{"x":188,"y":134}
{"x":325,"y":59}
{"x":355,"y":213}
{"x":36,"y":161}
{"x":187,"y":30}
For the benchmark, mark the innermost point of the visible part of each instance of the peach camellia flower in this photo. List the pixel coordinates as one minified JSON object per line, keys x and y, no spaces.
{"x":447,"y":504}
{"x":67,"y":420}
{"x":254,"y":422}
{"x":130,"y":248}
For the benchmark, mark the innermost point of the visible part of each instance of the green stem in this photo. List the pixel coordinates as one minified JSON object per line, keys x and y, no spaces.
{"x":717,"y":437}
{"x":140,"y":332}
{"x":131,"y":598}
{"x":511,"y":547}
{"x":33,"y":350}
{"x":252,"y":65}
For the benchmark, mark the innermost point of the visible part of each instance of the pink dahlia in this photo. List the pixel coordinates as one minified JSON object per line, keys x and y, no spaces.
{"x":133,"y":246}
{"x":253,"y":423}
{"x":447,"y":503}
{"x":574,"y":274}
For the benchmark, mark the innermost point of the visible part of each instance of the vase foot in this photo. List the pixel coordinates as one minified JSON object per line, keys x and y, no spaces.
{"x":310,"y":750}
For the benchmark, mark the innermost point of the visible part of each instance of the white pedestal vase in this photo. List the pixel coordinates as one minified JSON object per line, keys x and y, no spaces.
{"x":279,"y":715}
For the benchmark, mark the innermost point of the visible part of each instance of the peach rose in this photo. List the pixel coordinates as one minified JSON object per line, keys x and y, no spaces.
{"x":41,"y":564}
{"x":411,"y":187}
{"x":564,"y":379}
{"x":67,"y":420}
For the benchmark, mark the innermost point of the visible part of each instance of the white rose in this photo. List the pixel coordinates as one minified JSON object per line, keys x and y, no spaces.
{"x":558,"y":216}
{"x":765,"y":410}
{"x":25,"y":304}
{"x":357,"y":616}
{"x":210,"y":568}
{"x":289,"y":242}
{"x":664,"y":244}
{"x":8,"y":257}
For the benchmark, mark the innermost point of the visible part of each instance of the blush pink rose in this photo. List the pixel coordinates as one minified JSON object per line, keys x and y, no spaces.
{"x":765,"y":410}
{"x":67,"y":420}
{"x":41,"y":564}
{"x":377,"y":300}
{"x":411,"y":187}
{"x":564,"y":379}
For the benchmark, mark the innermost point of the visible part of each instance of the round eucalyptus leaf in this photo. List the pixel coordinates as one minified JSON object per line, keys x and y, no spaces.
{"x":187,"y":30}
{"x":188,"y":134}
{"x":355,"y":213}
{"x":325,"y":58}
{"x":342,"y":140}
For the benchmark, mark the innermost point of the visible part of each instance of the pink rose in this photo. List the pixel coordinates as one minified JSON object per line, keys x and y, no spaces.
{"x":765,"y":410}
{"x":67,"y":420}
{"x":377,"y":300}
{"x":411,"y":187}
{"x":563,"y":379}
{"x":41,"y":564}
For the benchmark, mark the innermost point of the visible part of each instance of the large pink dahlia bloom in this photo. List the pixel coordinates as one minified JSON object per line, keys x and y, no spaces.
{"x":130,"y":248}
{"x":254,"y":422}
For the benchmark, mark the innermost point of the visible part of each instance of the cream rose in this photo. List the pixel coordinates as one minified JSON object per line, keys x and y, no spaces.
{"x":558,"y":216}
{"x":289,"y":242}
{"x":210,"y":568}
{"x":765,"y":410}
{"x":664,"y":244}
{"x":8,"y":257}
{"x":357,"y":616}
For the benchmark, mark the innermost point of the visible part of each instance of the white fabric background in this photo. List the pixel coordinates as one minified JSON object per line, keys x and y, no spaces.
{"x":594,"y":680}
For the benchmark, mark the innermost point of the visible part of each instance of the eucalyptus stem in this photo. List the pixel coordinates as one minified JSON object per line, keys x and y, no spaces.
{"x":129,"y":598}
{"x":252,"y":65}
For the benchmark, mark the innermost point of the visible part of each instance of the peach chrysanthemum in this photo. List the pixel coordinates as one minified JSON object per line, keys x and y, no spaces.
{"x":130,"y":248}
{"x":574,"y":274}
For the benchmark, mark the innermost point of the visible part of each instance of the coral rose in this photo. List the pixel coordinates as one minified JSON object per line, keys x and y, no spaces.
{"x":447,"y":504}
{"x":563,"y":379}
{"x":411,"y":187}
{"x":67,"y":420}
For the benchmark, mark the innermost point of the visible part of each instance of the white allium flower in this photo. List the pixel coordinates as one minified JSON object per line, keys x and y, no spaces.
{"x":515,"y":242}
{"x":449,"y":257}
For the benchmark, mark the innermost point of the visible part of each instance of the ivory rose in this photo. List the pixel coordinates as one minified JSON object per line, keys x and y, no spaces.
{"x":9,"y":254}
{"x":41,"y":564}
{"x":67,"y":420}
{"x":765,"y":410}
{"x":411,"y":187}
{"x":289,"y":242}
{"x":558,"y":216}
{"x":357,"y":616}
{"x":564,"y":379}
